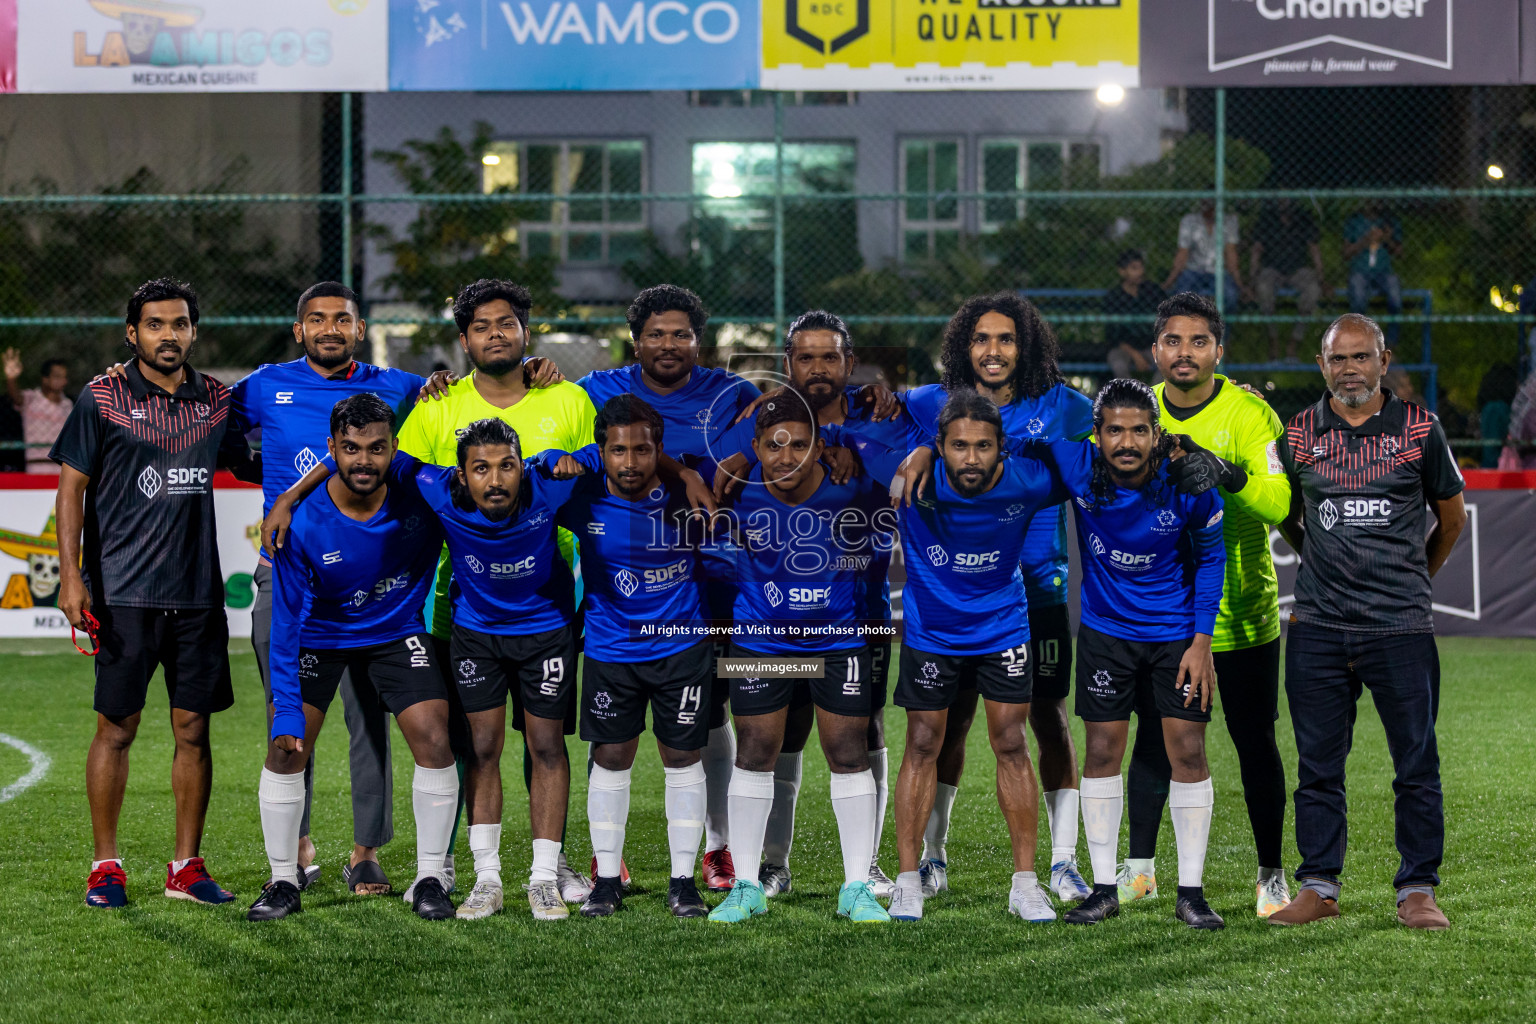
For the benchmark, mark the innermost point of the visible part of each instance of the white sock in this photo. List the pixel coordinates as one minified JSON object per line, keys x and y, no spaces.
{"x":1103,"y":804}
{"x":282,"y":808}
{"x":910,"y":880}
{"x":719,"y":760}
{"x":685,"y":816}
{"x":937,"y":832}
{"x":435,"y":799}
{"x":751,"y":800}
{"x":485,"y":844}
{"x":177,"y":865}
{"x":1024,"y":879}
{"x":853,"y":804}
{"x":607,"y":815}
{"x":546,"y":860}
{"x":880,"y":768}
{"x":1190,"y":804}
{"x":780,"y":833}
{"x":1061,"y":811}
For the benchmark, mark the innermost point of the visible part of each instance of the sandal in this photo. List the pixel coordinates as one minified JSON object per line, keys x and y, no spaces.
{"x":364,"y":872}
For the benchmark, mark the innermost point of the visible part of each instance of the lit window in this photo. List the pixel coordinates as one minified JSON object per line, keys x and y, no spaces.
{"x":573,"y":230}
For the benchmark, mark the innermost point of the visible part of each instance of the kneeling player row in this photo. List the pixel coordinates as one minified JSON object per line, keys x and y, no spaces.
{"x":352,"y":571}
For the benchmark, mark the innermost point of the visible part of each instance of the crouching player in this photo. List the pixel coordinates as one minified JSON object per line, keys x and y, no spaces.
{"x":349,"y":584}
{"x":640,"y":568}
{"x":803,"y":549}
{"x":1153,"y":567}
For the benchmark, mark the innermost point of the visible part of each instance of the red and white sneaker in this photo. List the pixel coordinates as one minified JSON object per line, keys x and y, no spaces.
{"x":623,"y":872}
{"x":108,"y":886}
{"x":719,"y":870}
{"x":193,"y":883}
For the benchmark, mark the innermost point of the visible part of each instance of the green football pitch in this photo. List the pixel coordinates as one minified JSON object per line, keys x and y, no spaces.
{"x":370,"y":959}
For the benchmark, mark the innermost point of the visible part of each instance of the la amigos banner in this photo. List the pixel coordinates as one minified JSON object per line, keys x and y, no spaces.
{"x":77,"y":46}
{"x":29,"y":555}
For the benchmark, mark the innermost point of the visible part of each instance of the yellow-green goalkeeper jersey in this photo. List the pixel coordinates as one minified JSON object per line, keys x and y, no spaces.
{"x":558,"y":417}
{"x":1241,"y":428}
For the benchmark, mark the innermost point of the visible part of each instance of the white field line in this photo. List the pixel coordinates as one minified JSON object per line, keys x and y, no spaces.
{"x":40,"y":764}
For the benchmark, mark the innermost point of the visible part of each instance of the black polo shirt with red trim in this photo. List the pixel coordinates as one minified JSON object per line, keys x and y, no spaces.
{"x":1364,"y":566}
{"x":150,"y":537}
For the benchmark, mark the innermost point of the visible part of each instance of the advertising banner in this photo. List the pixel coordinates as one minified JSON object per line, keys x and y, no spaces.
{"x":1330,"y":42}
{"x":949,"y":44}
{"x":611,"y":45}
{"x":29,"y":557}
{"x":209,"y":46}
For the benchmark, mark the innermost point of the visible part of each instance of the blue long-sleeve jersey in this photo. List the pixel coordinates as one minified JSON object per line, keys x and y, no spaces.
{"x":640,"y":564}
{"x":965,"y":590}
{"x":1153,"y":560}
{"x":799,"y":570}
{"x":1062,"y":413}
{"x":339,"y":583}
{"x":291,"y":405}
{"x":509,"y":578}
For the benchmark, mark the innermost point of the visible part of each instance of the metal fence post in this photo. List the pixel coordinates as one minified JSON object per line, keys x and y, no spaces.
{"x":1220,"y":241}
{"x":346,"y":189}
{"x":778,"y":212}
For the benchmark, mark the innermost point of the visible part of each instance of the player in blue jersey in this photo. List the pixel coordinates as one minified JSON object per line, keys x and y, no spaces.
{"x":967,"y":628}
{"x":819,"y":358}
{"x":1153,"y":570}
{"x":349,"y":584}
{"x":644,"y":611}
{"x":696,"y":402}
{"x":288,"y":405}
{"x":799,"y":550}
{"x":999,"y":347}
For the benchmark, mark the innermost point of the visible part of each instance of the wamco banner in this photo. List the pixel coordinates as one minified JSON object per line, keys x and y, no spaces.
{"x":573,"y":44}
{"x":1330,"y":42}
{"x":211,"y":46}
{"x":949,"y":44}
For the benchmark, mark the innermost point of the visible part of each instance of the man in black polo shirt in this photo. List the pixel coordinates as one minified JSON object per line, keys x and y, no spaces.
{"x":137,"y":457}
{"x":1363,"y":464}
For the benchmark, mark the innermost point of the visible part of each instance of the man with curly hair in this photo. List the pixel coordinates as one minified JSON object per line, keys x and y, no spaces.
{"x":999,"y":347}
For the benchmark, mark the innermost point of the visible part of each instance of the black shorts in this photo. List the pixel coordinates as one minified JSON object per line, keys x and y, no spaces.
{"x":191,"y":645}
{"x":403,"y":672}
{"x":1050,"y":634}
{"x":542,"y":664}
{"x":614,"y":695}
{"x":1116,"y":677}
{"x":931,"y":682}
{"x":843,"y":688}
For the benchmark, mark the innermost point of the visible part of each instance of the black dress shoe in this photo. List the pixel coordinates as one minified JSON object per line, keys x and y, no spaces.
{"x":683,"y":898}
{"x":277,"y":900}
{"x":430,"y":901}
{"x":606,"y":898}
{"x":1101,"y":904}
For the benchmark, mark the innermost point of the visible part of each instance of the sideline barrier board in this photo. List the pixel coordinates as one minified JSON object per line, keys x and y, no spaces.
{"x":29,"y":554}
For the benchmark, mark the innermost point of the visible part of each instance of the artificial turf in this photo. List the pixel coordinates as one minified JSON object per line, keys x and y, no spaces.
{"x":366,"y":959}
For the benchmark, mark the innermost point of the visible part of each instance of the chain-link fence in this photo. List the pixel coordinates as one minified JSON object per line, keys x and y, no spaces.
{"x":1413,"y":204}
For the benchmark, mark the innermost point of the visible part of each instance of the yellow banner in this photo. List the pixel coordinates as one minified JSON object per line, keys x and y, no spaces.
{"x":949,"y":44}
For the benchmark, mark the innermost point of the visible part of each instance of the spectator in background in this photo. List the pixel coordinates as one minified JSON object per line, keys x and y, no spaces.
{"x":1129,"y":345}
{"x":1286,"y":254}
{"x":1401,"y":385}
{"x":1372,"y":237}
{"x":43,"y":409}
{"x":1520,"y":453}
{"x":1494,"y":395}
{"x":1194,"y":265}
